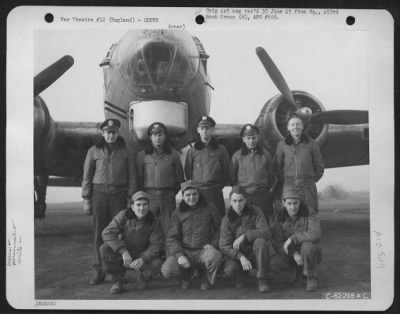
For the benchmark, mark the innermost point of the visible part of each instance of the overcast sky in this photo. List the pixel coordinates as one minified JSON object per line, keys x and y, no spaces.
{"x":330,"y":64}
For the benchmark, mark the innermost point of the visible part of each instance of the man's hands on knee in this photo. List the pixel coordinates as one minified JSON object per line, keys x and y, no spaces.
{"x":286,"y":245}
{"x":246,"y":264}
{"x":87,"y":206}
{"x":237,"y":242}
{"x":127,"y":259}
{"x":183,"y":261}
{"x":137,"y":264}
{"x":298,"y":259}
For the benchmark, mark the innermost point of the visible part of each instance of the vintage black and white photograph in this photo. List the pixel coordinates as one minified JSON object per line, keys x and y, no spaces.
{"x":226,"y":158}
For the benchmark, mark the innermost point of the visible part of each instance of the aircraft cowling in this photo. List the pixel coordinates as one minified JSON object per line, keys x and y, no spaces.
{"x":272,"y":121}
{"x":44,"y":136}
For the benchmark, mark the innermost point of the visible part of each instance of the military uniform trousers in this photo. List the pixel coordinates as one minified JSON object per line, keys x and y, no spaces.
{"x":262,"y":199}
{"x":257,"y":253}
{"x":310,"y":253}
{"x":162,"y":204}
{"x":113,"y":263}
{"x":207,"y":260}
{"x":105,"y":207}
{"x":214,"y":195}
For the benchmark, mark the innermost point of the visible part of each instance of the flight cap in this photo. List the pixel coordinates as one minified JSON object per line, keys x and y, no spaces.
{"x":189,"y":184}
{"x":206,"y":120}
{"x":248,"y":130}
{"x":110,"y":124}
{"x":140,"y":195}
{"x":290,"y":191}
{"x":156,"y":127}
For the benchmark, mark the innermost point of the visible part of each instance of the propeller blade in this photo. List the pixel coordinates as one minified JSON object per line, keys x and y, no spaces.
{"x":49,"y":75}
{"x":341,"y":117}
{"x":275,"y":75}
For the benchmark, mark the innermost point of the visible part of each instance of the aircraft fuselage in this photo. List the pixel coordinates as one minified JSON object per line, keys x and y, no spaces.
{"x":146,"y":66}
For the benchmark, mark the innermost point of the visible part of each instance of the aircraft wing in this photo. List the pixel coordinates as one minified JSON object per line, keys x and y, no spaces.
{"x":229,"y":136}
{"x":72,"y":141}
{"x":346,"y":145}
{"x":343,"y":146}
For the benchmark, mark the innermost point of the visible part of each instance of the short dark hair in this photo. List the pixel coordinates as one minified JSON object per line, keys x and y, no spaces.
{"x":237,"y":189}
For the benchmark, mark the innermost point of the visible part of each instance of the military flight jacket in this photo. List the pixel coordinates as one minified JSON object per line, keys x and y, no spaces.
{"x":251,"y":224}
{"x":302,"y":162}
{"x":208,"y":165}
{"x":141,"y":237}
{"x":116,"y":170}
{"x":299,"y":229}
{"x":193,"y":228}
{"x":159,"y":171}
{"x":252,"y":170}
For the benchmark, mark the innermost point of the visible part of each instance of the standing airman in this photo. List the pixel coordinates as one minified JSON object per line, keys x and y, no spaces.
{"x":160,"y":173}
{"x":252,"y":169}
{"x":109,"y":178}
{"x":207,"y":163}
{"x":298,"y":161}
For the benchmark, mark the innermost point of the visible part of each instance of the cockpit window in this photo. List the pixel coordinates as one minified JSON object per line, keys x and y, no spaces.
{"x":165,"y":63}
{"x":158,"y":59}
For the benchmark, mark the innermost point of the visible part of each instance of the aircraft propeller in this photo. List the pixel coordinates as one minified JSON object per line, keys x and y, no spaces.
{"x":325,"y":117}
{"x":275,"y":75}
{"x":49,"y":75}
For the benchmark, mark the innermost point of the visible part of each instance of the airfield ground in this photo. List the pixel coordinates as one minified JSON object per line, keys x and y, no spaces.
{"x":63,"y":246}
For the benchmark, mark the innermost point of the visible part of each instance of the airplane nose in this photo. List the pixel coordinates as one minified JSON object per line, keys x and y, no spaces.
{"x":154,"y":61}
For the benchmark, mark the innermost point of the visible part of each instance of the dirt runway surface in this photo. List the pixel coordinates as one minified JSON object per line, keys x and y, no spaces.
{"x":63,"y":248}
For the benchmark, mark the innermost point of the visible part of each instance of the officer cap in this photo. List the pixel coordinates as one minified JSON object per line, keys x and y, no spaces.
{"x":156,"y":127}
{"x":249,"y":129}
{"x":110,"y":124}
{"x":189,"y":184}
{"x":291,"y":192}
{"x":237,"y":189}
{"x":206,"y":120}
{"x":140,"y":195}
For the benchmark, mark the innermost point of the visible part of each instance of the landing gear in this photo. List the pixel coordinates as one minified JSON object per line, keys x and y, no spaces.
{"x":40,"y":184}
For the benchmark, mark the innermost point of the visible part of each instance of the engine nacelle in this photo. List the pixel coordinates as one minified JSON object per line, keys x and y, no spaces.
{"x":44,"y":136}
{"x":274,"y":115}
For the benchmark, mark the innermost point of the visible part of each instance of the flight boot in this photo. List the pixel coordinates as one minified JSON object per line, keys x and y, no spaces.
{"x":312,"y":284}
{"x":239,"y":281}
{"x":263,"y":285}
{"x":204,"y":283}
{"x":142,"y":280}
{"x":97,"y":279}
{"x":186,"y":279}
{"x":117,"y":287}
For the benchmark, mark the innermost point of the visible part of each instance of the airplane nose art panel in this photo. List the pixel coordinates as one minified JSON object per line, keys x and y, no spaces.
{"x":173,"y":114}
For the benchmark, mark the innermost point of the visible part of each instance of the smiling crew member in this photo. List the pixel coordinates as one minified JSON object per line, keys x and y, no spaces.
{"x":160,"y":173}
{"x":192,"y":240}
{"x":252,"y":169}
{"x":245,"y":239}
{"x":208,"y":164}
{"x":298,"y":161}
{"x":133,"y":240}
{"x":295,"y":237}
{"x":109,"y":178}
